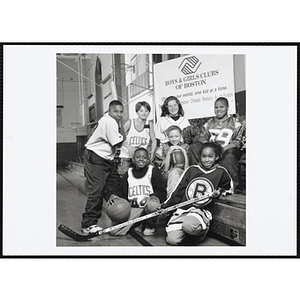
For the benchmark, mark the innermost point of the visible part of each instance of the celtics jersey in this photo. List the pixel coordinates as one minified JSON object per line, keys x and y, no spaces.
{"x":139,"y":188}
{"x":136,"y":138}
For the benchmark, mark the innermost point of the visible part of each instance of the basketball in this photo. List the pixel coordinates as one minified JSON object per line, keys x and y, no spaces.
{"x":119,"y":211}
{"x":177,"y":159}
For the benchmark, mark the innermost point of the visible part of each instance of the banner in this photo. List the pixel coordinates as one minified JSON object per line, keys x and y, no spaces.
{"x":197,"y":81}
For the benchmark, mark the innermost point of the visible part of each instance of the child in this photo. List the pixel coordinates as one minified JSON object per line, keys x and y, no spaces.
{"x":190,"y":224}
{"x":225,"y":130}
{"x":172,"y":114}
{"x":140,"y":184}
{"x":139,"y":133}
{"x":173,"y":173}
{"x":99,"y":167}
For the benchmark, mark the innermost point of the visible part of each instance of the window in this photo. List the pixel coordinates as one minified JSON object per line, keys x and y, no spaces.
{"x":138,"y":65}
{"x":157,"y":58}
{"x":172,"y":56}
{"x":92,"y":113}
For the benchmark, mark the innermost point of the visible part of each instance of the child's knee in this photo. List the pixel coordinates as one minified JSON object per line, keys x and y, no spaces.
{"x":192,"y":225}
{"x":231,"y":156}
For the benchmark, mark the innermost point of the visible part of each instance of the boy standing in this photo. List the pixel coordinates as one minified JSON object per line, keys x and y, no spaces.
{"x":99,"y":167}
{"x":226,"y":131}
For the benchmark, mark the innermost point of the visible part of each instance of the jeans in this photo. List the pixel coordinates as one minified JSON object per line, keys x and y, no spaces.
{"x":103,"y":180}
{"x":173,"y":179}
{"x":230,"y":161}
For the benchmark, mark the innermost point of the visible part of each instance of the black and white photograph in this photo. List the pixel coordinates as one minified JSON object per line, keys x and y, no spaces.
{"x":150,"y":150}
{"x":138,"y":135}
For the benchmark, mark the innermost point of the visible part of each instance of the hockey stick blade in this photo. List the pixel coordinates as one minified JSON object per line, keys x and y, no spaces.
{"x":74,"y":235}
{"x":204,"y":200}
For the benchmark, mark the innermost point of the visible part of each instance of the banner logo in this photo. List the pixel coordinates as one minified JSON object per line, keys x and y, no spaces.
{"x":189,"y":65}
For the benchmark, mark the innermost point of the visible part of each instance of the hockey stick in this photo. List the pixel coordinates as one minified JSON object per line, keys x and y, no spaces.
{"x":79,"y":237}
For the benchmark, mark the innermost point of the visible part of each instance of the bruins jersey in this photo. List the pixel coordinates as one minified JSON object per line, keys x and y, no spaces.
{"x":196,"y":182}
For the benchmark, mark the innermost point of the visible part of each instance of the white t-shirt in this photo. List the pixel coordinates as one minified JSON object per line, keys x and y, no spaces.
{"x":165,"y":122}
{"x":105,"y":137}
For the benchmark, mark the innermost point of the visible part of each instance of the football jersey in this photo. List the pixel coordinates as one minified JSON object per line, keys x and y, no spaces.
{"x":196,"y":182}
{"x":222,"y":132}
{"x":138,"y":188}
{"x":165,"y":122}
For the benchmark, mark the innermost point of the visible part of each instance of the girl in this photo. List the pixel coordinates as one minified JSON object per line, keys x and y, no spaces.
{"x":172,"y":114}
{"x":191,"y":224}
{"x":139,"y":133}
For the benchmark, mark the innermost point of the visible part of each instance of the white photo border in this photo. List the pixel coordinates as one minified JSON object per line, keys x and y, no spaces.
{"x":29,"y":165}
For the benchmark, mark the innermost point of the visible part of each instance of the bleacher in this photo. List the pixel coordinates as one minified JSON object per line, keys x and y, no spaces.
{"x":229,"y":218}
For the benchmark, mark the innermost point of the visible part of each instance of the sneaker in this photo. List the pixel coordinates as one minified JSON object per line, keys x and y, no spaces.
{"x":149,"y":231}
{"x":91,"y":229}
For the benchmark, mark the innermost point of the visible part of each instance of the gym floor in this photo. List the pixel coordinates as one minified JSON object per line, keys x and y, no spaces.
{"x":71,"y":199}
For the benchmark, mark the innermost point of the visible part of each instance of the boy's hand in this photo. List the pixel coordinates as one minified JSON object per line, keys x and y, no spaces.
{"x":164,"y":213}
{"x":112,"y":199}
{"x":175,"y":147}
{"x":144,"y":201}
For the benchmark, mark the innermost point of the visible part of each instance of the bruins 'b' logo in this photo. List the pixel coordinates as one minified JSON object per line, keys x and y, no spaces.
{"x":198,"y":187}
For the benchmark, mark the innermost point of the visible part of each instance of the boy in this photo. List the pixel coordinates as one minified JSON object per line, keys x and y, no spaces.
{"x":141,"y":185}
{"x":99,"y":167}
{"x":173,"y":173}
{"x":226,"y":131}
